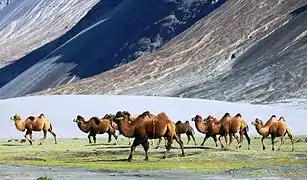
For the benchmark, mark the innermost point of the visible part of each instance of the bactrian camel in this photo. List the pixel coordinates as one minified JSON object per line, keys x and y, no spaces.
{"x":147,"y":126}
{"x":31,"y":124}
{"x":274,"y":127}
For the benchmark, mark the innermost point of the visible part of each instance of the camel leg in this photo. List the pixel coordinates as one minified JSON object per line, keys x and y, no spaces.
{"x":272,"y":138}
{"x":222,"y":146}
{"x":248,"y":139}
{"x":158,"y":144}
{"x":94,"y":138}
{"x":226,"y":139}
{"x":193,"y":139}
{"x":145,"y":145}
{"x":215,"y":140}
{"x":263,"y":147}
{"x":237,"y":138}
{"x":89,"y":138}
{"x":135,"y":143}
{"x":109,"y":137}
{"x":54,"y":136}
{"x":26,"y":136}
{"x":205,"y":139}
{"x":180,"y":144}
{"x":188,"y":138}
{"x":281,"y":142}
{"x":116,"y":137}
{"x":168,"y":146}
{"x":129,"y":141}
{"x":45,"y":136}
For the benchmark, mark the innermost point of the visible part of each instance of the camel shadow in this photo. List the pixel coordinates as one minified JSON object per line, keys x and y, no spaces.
{"x":108,"y":160}
{"x":194,"y":147}
{"x":100,"y":144}
{"x":113,"y":147}
{"x":11,"y":145}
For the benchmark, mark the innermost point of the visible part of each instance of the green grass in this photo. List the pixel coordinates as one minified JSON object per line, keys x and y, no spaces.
{"x":78,"y":153}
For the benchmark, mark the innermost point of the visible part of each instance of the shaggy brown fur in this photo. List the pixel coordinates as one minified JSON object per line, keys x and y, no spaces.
{"x":96,"y":126}
{"x":202,"y":127}
{"x":275,"y":128}
{"x":147,"y":126}
{"x":182,"y":128}
{"x":31,"y":124}
{"x":230,"y":126}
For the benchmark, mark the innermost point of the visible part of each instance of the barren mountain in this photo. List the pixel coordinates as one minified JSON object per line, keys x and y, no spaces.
{"x":25,"y":25}
{"x":4,"y":3}
{"x":244,"y":51}
{"x":112,"y":33}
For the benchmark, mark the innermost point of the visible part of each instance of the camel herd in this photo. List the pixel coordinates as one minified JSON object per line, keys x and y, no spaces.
{"x":148,"y":126}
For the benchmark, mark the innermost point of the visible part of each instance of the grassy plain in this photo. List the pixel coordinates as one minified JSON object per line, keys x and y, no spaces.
{"x":78,"y":153}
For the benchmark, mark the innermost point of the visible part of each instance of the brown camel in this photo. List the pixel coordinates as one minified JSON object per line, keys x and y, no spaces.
{"x":96,"y":126}
{"x":275,"y":128}
{"x":111,"y":117}
{"x":202,"y":127}
{"x":31,"y":124}
{"x":147,"y":126}
{"x":230,"y":126}
{"x":182,"y":128}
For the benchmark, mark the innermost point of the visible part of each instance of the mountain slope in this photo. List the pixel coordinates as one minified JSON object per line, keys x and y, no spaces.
{"x":245,"y":51}
{"x":118,"y":36}
{"x":28,"y":24}
{"x":4,"y":3}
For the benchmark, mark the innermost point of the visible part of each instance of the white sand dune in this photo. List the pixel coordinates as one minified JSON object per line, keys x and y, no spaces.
{"x":62,"y":109}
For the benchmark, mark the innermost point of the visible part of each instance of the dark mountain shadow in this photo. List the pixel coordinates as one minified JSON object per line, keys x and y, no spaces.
{"x":121,"y":31}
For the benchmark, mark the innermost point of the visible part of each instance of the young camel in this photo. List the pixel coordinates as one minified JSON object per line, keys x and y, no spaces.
{"x":95,"y":126}
{"x":182,"y":128}
{"x":147,"y":126}
{"x":202,"y":127}
{"x":230,"y":126}
{"x":275,"y":128}
{"x":31,"y":124}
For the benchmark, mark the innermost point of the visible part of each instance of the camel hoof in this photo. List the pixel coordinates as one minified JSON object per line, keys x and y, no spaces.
{"x":163,"y":157}
{"x":146,"y":159}
{"x":156,"y":147}
{"x":263,"y":148}
{"x":129,"y":159}
{"x":278,"y":149}
{"x":201,"y":144}
{"x":183,"y":155}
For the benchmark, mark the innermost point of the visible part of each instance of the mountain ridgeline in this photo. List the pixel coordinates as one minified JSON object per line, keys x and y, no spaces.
{"x":113,"y":32}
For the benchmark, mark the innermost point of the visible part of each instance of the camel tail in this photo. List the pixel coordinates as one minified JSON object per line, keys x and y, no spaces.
{"x":50,"y":126}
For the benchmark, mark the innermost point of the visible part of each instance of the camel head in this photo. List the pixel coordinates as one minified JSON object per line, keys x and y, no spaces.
{"x":197,"y":118}
{"x":15,"y":118}
{"x":108,"y":116}
{"x":78,"y":119}
{"x":257,"y":122}
{"x":120,"y":115}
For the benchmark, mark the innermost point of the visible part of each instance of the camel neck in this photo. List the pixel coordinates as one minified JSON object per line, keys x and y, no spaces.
{"x":20,"y":126}
{"x":263,"y":130}
{"x":126,"y":127}
{"x":84,"y":126}
{"x":201,"y":126}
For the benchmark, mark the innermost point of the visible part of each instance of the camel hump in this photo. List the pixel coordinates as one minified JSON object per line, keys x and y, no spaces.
{"x":226,"y":115}
{"x":198,"y":117}
{"x":178,"y":122}
{"x":146,"y":113}
{"x":162,"y":115}
{"x":32,"y":118}
{"x":96,"y":120}
{"x":41,"y":115}
{"x":107,"y":116}
{"x":282,"y":119}
{"x":187,"y":122}
{"x":273,"y":116}
{"x":238,"y":115}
